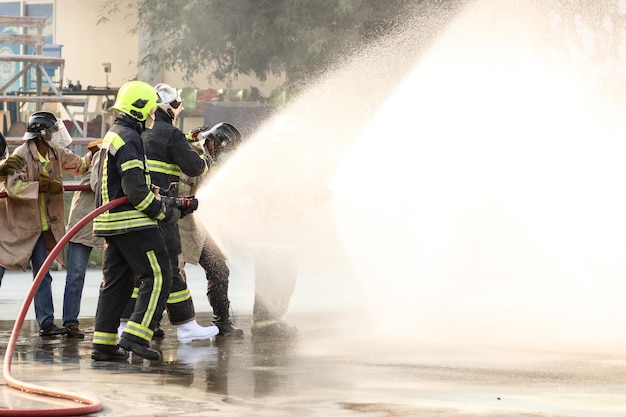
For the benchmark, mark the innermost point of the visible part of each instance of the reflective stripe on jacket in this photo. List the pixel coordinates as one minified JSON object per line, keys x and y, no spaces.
{"x":122,"y":172}
{"x":169,"y":154}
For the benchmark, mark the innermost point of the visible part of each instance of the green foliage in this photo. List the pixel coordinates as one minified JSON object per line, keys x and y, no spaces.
{"x":292,"y":38}
{"x":301,"y":39}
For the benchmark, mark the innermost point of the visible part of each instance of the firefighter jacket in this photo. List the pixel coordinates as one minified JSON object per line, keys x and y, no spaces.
{"x":27,"y":213}
{"x":122,"y":172}
{"x":169,"y":153}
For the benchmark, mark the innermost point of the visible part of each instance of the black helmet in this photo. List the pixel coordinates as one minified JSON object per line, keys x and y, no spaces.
{"x":38,"y":123}
{"x":192,"y":136}
{"x":224,"y":135}
{"x":3,"y":145}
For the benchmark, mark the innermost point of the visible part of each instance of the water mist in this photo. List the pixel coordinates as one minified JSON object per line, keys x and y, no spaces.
{"x":473,"y":187}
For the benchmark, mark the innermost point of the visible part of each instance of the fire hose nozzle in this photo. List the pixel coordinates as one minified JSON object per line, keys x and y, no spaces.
{"x":186,"y":205}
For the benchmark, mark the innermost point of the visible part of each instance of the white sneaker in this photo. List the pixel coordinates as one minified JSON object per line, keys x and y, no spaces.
{"x":191,"y":331}
{"x":121,"y":328}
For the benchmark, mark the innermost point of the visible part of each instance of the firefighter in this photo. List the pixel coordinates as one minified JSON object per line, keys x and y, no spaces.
{"x":33,"y":220}
{"x":168,"y":155}
{"x":198,"y":246}
{"x":135,"y":251}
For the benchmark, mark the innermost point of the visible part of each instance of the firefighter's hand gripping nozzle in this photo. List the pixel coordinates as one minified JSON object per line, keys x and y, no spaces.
{"x":186,"y":205}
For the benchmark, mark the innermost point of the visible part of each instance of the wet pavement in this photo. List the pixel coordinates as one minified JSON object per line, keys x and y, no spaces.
{"x":334,"y":368}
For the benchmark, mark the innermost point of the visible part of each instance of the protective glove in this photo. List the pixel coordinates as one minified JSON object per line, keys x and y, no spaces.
{"x":50,"y":186}
{"x":192,"y":136}
{"x":12,"y":164}
{"x":172,"y":214}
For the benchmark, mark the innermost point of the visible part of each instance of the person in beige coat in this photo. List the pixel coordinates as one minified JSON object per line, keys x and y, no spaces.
{"x":79,"y":247}
{"x":8,"y":165}
{"x":34,"y":217}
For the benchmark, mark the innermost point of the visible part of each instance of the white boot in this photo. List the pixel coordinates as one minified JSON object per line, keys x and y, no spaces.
{"x":188,"y":332}
{"x":121,"y":328}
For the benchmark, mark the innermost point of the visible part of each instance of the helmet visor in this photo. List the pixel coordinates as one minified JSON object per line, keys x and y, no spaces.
{"x":60,"y":136}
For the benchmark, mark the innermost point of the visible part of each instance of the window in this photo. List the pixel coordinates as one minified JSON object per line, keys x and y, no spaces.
{"x":21,"y":8}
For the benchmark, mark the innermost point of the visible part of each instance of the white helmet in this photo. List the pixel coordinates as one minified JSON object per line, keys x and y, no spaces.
{"x":169,"y":100}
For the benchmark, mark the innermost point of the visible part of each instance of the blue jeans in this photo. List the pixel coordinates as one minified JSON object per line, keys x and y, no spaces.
{"x":1,"y":274}
{"x":77,"y":260}
{"x":44,"y":307}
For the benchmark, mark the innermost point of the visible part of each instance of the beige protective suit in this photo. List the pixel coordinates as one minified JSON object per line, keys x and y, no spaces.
{"x":20,"y":215}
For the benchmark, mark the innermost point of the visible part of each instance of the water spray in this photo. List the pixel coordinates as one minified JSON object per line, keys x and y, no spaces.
{"x":89,"y":404}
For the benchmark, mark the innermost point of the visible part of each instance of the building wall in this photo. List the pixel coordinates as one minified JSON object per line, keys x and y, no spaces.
{"x":87,"y":45}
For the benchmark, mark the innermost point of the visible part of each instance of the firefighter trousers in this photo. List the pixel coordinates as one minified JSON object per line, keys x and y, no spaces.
{"x":180,"y":308}
{"x":137,"y":258}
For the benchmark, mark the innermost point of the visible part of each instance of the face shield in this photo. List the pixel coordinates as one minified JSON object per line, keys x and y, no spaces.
{"x":60,"y":137}
{"x":220,"y":139}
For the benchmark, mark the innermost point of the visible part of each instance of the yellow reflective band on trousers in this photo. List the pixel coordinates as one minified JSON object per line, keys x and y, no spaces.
{"x":102,"y":338}
{"x":157,"y":286}
{"x":179,"y":296}
{"x":142,"y":330}
{"x":138,"y":330}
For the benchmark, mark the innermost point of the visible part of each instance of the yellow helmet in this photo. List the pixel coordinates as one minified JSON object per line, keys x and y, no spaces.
{"x":136,"y":99}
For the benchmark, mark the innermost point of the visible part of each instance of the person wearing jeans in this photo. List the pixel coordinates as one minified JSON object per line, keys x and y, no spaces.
{"x":44,"y":306}
{"x":77,"y":260}
{"x":79,"y":248}
{"x":34,"y":218}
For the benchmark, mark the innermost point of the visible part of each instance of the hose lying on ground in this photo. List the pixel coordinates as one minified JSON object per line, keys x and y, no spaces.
{"x":90,"y":405}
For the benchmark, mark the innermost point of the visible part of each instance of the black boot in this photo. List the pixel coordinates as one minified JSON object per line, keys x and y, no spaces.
{"x":109,"y":355}
{"x":227,"y":327}
{"x":142,"y":350}
{"x":158,"y":333}
{"x":218,"y":298}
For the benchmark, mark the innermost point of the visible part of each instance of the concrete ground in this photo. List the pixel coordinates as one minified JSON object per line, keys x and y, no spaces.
{"x":330,"y":370}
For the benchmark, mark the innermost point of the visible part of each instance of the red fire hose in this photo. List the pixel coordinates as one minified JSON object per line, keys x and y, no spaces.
{"x":69,"y":187}
{"x":91,"y":405}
